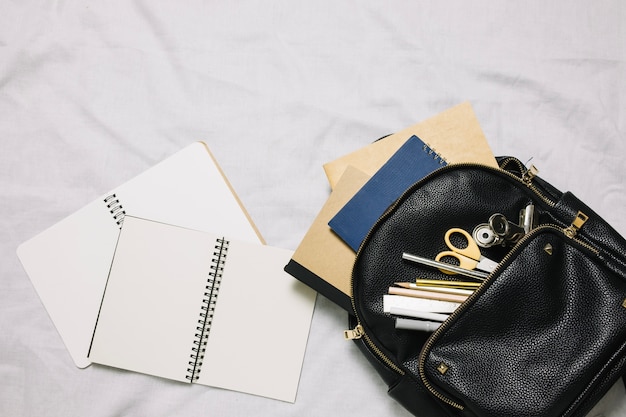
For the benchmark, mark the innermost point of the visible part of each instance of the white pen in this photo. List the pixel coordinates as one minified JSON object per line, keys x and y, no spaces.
{"x":424,"y":315}
{"x":410,"y":324}
{"x":418,"y":304}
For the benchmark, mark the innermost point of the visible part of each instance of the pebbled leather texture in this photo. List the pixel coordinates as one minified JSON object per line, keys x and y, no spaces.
{"x":535,"y":338}
{"x":545,"y":335}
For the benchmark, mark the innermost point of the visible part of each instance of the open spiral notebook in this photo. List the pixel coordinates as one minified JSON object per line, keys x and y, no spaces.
{"x":69,"y":263}
{"x":198,"y":307}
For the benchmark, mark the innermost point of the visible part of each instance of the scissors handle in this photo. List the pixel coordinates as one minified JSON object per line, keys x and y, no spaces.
{"x":471,"y":251}
{"x":464,"y":261}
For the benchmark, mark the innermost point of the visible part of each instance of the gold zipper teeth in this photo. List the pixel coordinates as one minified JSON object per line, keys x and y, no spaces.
{"x":433,"y":338}
{"x":382,"y":356}
{"x":541,"y":196}
{"x":593,"y":249}
{"x":441,"y":397}
{"x":530,"y":185}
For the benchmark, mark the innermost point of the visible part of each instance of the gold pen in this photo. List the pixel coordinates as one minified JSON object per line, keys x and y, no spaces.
{"x":436,"y":288}
{"x":429,"y":295}
{"x":447,"y":284}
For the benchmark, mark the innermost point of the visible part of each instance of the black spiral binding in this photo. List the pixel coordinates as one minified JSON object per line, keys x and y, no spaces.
{"x":207,"y":310}
{"x":434,"y":154}
{"x":115,"y":208}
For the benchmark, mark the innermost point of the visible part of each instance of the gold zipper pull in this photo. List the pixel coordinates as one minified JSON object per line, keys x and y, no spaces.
{"x":578,"y":222}
{"x":530,"y":173}
{"x":355,"y":333}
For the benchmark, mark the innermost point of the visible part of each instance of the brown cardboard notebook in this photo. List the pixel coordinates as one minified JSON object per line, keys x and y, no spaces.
{"x":322,"y":260}
{"x":454,"y":134}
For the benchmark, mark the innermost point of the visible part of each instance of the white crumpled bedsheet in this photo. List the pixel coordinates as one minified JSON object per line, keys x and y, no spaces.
{"x":92,"y":93}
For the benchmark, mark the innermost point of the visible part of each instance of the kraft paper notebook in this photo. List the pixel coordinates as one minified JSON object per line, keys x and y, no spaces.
{"x":454,"y":134}
{"x":199,"y":307}
{"x":69,"y":262}
{"x":322,"y":260}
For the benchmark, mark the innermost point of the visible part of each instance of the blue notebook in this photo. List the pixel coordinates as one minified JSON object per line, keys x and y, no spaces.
{"x":412,"y":162}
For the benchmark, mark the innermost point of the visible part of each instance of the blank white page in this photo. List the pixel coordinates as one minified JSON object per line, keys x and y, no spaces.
{"x":68,"y":265}
{"x":261,"y":324}
{"x":189,"y":190}
{"x":154,"y":297}
{"x":152,"y":300}
{"x":69,"y":262}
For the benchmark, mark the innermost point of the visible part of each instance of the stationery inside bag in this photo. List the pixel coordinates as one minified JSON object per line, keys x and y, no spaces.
{"x":413,"y":244}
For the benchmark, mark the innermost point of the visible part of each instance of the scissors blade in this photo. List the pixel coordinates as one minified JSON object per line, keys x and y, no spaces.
{"x":486,"y":264}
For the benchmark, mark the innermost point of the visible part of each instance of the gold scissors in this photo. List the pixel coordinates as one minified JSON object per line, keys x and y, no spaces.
{"x":468,"y":257}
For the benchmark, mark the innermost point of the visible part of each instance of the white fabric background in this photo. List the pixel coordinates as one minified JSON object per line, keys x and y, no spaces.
{"x":93,"y":93}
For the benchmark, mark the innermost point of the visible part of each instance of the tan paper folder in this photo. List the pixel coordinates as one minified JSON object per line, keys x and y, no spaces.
{"x":454,"y":134}
{"x":322,"y":260}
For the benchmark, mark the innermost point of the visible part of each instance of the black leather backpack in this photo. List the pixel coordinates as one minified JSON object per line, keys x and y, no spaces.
{"x":545,"y":332}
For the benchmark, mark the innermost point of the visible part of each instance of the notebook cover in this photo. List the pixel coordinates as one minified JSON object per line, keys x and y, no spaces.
{"x":413,"y":161}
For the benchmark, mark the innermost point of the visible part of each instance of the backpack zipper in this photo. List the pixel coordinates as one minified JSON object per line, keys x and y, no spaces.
{"x":359,"y":332}
{"x":528,"y":174}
